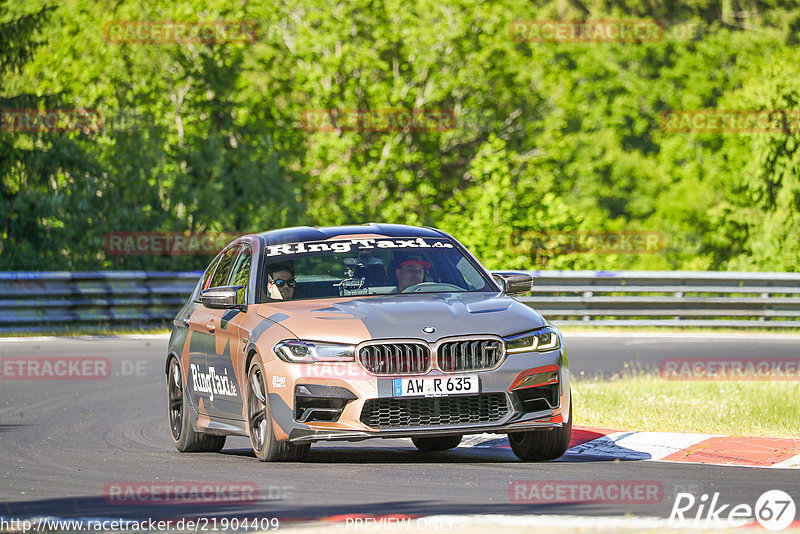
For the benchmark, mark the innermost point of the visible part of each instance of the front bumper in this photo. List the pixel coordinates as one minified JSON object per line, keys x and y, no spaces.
{"x":311,"y":436}
{"x":349,"y":387}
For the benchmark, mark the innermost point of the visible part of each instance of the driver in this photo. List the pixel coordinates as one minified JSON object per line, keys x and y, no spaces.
{"x":410,"y":271}
{"x":280,"y":281}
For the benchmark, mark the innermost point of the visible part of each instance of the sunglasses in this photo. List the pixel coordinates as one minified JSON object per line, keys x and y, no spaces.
{"x":283,"y":283}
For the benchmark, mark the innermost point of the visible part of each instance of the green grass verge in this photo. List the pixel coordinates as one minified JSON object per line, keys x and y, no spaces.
{"x":646,"y":402}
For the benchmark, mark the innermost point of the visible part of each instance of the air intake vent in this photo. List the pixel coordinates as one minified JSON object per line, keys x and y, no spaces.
{"x":434,"y":411}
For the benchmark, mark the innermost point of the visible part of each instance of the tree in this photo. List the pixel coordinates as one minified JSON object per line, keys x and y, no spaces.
{"x":39,"y":167}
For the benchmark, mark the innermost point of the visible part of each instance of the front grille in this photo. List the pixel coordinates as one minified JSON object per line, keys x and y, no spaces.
{"x":470,"y":355}
{"x":395,"y":358}
{"x":434,"y":411}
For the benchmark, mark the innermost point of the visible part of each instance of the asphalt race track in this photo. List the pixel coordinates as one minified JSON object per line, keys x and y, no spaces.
{"x":64,"y":443}
{"x":610,"y":353}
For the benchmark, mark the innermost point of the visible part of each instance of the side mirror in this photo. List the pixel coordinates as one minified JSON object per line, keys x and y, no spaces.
{"x":223,"y":298}
{"x":514,"y":283}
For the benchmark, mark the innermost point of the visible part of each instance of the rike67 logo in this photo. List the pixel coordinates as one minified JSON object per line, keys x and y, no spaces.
{"x":774,"y":510}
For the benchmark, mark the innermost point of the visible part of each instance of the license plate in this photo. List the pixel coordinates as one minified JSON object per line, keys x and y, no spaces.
{"x":436,"y":386}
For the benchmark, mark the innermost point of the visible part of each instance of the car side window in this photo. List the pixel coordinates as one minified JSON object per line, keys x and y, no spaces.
{"x":473,"y":279}
{"x":206,"y":283}
{"x":223,"y":269}
{"x":240,"y":274}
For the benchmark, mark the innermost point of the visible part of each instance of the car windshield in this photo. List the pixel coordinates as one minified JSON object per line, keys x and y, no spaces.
{"x":381,"y":266}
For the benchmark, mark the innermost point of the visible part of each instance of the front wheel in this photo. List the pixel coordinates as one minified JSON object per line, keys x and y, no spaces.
{"x":542,"y":445}
{"x":185,"y":438}
{"x":436,"y":443}
{"x":262,"y":436}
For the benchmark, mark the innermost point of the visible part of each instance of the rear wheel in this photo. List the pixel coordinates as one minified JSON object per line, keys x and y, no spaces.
{"x":436,"y":443}
{"x":541,"y":445}
{"x":262,"y":436}
{"x":186,"y":438}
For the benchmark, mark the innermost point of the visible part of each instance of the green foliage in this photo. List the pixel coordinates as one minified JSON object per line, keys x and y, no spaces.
{"x":38,"y":169}
{"x":768,"y":208}
{"x":547,"y":137}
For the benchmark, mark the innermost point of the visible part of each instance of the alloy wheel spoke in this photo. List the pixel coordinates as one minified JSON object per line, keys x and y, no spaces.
{"x":262,"y":428}
{"x":176,"y":376}
{"x":257,"y":418}
{"x":175,"y":400}
{"x":255,"y":385}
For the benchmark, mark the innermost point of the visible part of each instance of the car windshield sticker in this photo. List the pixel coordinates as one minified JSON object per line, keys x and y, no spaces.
{"x":308,"y":248}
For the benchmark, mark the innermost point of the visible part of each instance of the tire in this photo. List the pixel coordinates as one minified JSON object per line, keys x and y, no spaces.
{"x":185,"y":438}
{"x":262,"y":436}
{"x":436,"y":443}
{"x":542,"y":445}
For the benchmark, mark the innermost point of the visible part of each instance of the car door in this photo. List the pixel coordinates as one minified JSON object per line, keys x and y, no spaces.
{"x":226,"y":353}
{"x":197,"y":339}
{"x":207,"y":382}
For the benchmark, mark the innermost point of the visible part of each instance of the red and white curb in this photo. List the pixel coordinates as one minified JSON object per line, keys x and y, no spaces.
{"x":603,"y":443}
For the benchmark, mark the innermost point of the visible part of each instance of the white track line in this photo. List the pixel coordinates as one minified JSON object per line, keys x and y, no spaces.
{"x":792,"y":462}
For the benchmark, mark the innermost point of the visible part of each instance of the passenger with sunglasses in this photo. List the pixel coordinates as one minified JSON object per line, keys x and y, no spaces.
{"x":280,"y":281}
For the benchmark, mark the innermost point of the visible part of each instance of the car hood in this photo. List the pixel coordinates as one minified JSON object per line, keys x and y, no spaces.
{"x":356,"y":319}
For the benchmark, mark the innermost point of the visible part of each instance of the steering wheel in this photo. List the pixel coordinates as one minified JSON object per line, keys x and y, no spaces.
{"x":431,"y":287}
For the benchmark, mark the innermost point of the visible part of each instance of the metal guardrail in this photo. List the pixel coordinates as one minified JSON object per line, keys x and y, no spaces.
{"x":51,"y":301}
{"x":667,"y":298}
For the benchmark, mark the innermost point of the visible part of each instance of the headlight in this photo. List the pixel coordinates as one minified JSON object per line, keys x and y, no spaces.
{"x":542,"y":340}
{"x":298,"y":351}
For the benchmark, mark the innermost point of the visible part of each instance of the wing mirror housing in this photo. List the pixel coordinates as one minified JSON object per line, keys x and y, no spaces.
{"x":221,"y":298}
{"x":513,"y":283}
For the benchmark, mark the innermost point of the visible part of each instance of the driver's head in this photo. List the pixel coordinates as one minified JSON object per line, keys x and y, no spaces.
{"x":280,"y":281}
{"x":410,"y":271}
